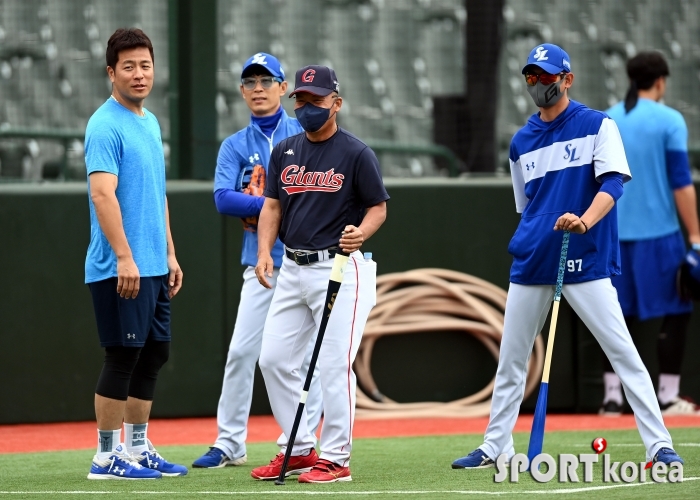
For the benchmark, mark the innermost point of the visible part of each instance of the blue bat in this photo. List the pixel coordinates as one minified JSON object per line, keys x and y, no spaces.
{"x":537,"y":433}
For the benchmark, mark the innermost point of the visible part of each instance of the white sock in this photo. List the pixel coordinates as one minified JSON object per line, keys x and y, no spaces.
{"x":107,"y":442}
{"x":669,"y":387}
{"x":613,"y":388}
{"x":135,"y":438}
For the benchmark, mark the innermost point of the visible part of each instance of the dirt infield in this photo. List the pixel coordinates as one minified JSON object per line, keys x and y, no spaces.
{"x":23,"y":438}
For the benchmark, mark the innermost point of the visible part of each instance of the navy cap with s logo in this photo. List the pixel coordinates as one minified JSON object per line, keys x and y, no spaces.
{"x":317,"y":80}
{"x":551,"y":58}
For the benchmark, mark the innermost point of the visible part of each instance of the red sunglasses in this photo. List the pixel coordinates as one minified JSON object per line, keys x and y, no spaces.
{"x":544,"y":78}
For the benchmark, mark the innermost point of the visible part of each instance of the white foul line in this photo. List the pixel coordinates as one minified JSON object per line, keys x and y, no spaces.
{"x":560,"y":491}
{"x":636,"y":444}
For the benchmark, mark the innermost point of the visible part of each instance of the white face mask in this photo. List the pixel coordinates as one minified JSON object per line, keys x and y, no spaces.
{"x":546,"y":96}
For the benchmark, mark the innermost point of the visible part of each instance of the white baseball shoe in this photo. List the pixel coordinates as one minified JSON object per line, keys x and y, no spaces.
{"x":680,"y":406}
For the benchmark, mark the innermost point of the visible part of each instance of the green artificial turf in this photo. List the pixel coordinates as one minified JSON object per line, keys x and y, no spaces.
{"x":399,"y":468}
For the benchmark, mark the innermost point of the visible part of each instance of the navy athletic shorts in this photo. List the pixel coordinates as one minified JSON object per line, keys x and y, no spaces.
{"x":129,"y":322}
{"x":647,"y":286}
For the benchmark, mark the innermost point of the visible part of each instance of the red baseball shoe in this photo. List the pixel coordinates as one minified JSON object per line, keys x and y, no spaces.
{"x":296,"y":465}
{"x":326,"y":471}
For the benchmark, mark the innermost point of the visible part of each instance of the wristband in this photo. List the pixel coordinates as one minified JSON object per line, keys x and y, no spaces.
{"x":696,"y":247}
{"x":584,"y":225}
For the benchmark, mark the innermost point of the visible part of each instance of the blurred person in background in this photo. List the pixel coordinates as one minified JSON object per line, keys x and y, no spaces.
{"x":239,"y":183}
{"x":652,"y":246}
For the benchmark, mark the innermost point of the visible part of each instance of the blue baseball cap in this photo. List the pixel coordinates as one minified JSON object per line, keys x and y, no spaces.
{"x":317,"y":80}
{"x":264,"y":61}
{"x":551,"y":58}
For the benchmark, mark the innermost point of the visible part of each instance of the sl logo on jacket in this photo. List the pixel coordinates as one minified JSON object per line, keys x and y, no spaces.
{"x":296,"y":180}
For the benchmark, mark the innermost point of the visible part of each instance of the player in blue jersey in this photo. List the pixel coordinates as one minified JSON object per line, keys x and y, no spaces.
{"x":130,"y":267}
{"x":325,"y":190}
{"x":652,"y":247}
{"x":568,"y":167}
{"x":239,"y":182}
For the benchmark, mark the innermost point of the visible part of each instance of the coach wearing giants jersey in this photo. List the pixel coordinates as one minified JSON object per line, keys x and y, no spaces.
{"x":324,"y":190}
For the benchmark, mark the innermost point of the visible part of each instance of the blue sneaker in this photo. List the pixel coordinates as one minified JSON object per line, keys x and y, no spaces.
{"x":120,"y":466}
{"x":477,"y":459}
{"x":667,"y":456}
{"x":152,"y":460}
{"x":216,"y":459}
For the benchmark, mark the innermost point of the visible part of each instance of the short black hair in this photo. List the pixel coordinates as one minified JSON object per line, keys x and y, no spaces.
{"x":125,"y":39}
{"x":645,"y":68}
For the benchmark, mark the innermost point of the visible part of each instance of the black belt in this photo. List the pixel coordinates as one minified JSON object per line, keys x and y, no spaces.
{"x":303,"y":258}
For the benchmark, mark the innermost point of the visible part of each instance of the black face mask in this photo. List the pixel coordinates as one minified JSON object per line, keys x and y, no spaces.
{"x":311,"y":117}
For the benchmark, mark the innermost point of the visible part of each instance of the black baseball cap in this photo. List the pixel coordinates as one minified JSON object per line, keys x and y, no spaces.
{"x":317,"y":80}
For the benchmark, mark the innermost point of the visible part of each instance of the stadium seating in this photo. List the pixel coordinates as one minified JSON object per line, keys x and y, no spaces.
{"x":600,"y":35}
{"x":52,"y":69}
{"x":392,"y":58}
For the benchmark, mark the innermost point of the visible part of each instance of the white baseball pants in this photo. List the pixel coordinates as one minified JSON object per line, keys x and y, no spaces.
{"x":293,"y":320}
{"x":596,"y":304}
{"x":244,"y":351}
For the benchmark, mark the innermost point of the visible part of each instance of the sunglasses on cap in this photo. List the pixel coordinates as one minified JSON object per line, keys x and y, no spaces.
{"x":266,"y":82}
{"x":544,"y":78}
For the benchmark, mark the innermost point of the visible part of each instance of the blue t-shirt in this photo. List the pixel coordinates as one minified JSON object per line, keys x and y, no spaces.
{"x":129,"y":146}
{"x":323,"y":187}
{"x":656,"y":144}
{"x":556,"y":167}
{"x":238,"y":154}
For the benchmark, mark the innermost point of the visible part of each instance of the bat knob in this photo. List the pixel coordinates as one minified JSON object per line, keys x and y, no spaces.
{"x":340,"y":251}
{"x":279,"y":482}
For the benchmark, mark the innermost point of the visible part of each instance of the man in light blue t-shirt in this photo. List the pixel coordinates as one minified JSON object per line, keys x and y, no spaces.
{"x":652,"y":247}
{"x":130,"y":267}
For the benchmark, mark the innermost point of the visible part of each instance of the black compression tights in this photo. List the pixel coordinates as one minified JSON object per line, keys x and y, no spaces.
{"x":132,"y":371}
{"x":670,"y":344}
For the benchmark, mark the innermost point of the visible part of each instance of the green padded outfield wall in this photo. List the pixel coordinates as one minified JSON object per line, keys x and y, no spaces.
{"x":50,"y":357}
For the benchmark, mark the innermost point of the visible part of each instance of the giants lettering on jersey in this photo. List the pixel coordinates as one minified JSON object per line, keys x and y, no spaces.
{"x":299,"y":181}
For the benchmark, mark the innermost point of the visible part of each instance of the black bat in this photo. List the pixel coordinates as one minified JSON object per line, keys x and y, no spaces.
{"x":341,"y":259}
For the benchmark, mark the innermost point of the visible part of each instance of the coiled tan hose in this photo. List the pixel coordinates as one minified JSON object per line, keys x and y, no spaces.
{"x":428,"y":300}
